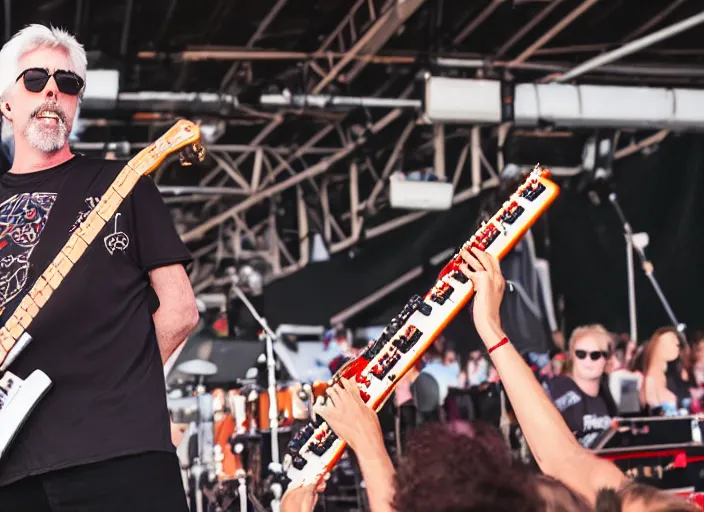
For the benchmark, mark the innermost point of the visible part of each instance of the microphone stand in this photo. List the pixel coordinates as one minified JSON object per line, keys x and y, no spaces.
{"x":648,"y":268}
{"x":269,"y":336}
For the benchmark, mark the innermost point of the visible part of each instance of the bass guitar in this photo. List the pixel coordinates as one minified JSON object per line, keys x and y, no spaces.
{"x":315,"y":449}
{"x":18,"y":397}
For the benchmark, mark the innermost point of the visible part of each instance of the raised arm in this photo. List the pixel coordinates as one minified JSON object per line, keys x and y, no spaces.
{"x":554,"y":447}
{"x":359,"y":426}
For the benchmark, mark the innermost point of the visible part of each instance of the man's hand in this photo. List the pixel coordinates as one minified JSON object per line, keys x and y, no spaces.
{"x":349,"y":417}
{"x":484,"y":272}
{"x":301,"y":498}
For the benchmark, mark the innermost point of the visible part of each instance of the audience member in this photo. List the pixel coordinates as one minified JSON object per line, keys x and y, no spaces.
{"x":662,"y":391}
{"x":477,"y":369}
{"x":580,"y":394}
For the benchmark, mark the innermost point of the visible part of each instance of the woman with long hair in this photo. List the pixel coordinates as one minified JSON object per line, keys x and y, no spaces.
{"x":664,"y":391}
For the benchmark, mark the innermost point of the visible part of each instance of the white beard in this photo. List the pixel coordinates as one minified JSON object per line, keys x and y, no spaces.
{"x":47,"y":139}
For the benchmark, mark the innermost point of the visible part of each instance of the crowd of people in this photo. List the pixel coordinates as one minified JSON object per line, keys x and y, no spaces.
{"x":467,"y":466}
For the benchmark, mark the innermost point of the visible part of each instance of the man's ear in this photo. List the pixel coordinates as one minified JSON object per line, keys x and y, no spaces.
{"x":6,"y":110}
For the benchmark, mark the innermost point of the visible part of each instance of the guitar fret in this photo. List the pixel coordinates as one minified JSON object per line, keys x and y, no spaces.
{"x":29,"y":306}
{"x":90,"y":227}
{"x":74,"y":249}
{"x":6,"y":339}
{"x":126,"y":181}
{"x":41,"y":291}
{"x":52,"y":276}
{"x":62,"y":263}
{"x":108,"y":204}
{"x":23,"y":318}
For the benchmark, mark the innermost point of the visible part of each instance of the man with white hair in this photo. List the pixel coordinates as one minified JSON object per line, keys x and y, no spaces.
{"x":100,"y":439}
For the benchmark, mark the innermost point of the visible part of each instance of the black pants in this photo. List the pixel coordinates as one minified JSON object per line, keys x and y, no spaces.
{"x":149,"y":482}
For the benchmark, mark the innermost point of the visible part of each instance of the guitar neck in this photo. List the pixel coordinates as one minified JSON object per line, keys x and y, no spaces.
{"x":68,"y":256}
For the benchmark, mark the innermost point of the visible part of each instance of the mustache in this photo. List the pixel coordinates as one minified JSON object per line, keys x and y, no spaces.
{"x":49,"y":107}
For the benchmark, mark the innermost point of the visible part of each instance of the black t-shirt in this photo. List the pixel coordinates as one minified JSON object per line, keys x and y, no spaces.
{"x":586,"y":416}
{"x":95,"y":337}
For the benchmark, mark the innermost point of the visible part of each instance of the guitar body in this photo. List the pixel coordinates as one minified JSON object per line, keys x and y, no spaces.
{"x":19,"y":397}
{"x":315,"y":450}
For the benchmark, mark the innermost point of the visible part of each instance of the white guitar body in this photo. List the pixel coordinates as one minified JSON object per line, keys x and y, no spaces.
{"x":18,"y":397}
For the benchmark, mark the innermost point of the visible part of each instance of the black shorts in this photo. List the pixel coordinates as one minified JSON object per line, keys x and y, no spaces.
{"x":148,"y":482}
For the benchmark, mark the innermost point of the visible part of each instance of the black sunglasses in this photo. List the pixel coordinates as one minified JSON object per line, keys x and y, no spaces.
{"x":594,"y":355}
{"x":35,"y":79}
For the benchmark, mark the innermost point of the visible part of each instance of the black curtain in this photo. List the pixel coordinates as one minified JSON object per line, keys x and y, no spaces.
{"x":659,"y":193}
{"x":581,"y":237}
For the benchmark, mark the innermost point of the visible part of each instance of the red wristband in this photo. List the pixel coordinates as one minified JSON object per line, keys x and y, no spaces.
{"x":502,"y":342}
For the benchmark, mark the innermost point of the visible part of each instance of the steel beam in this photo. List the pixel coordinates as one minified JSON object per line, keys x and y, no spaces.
{"x":372,"y":41}
{"x":528,"y":27}
{"x":652,"y":22}
{"x":311,"y":172}
{"x":559,"y":27}
{"x":632,"y":47}
{"x":486,"y":12}
{"x":268,"y":19}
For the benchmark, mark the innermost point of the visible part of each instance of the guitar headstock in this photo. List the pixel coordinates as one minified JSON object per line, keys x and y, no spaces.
{"x":183,"y":137}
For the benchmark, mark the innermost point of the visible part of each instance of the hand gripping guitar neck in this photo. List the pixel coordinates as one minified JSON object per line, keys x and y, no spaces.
{"x":316,"y":449}
{"x":18,"y":397}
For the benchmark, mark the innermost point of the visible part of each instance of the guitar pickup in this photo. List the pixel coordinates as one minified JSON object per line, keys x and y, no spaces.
{"x":512,"y":213}
{"x":300,"y":439}
{"x":533,"y":191}
{"x":441,"y":292}
{"x":418,"y":304}
{"x":408,"y":340}
{"x":321,"y":447}
{"x":459,"y":276}
{"x":489,"y":234}
{"x":299,"y":462}
{"x":383,"y":367}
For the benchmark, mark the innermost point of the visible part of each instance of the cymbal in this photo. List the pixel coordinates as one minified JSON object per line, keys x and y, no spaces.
{"x":198,"y":368}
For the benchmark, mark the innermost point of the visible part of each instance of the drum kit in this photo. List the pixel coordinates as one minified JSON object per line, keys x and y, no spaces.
{"x":235,"y":435}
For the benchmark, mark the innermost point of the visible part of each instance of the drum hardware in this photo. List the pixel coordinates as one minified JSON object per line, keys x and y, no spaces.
{"x":268,"y":336}
{"x":203,"y":464}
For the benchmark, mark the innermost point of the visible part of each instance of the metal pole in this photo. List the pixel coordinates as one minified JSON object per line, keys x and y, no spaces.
{"x":647,"y":267}
{"x":631,"y":289}
{"x":322,"y":101}
{"x":632,"y":47}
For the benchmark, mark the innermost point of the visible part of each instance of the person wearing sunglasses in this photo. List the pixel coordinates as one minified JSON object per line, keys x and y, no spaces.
{"x":581,"y":393}
{"x":100,"y":438}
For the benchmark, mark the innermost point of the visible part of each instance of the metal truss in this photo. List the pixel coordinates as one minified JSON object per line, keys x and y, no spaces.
{"x":341,"y":229}
{"x":362,"y":32}
{"x":214,"y":215}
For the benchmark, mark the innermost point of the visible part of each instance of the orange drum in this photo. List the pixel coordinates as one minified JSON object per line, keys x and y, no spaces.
{"x":228,"y":464}
{"x":286,"y":396}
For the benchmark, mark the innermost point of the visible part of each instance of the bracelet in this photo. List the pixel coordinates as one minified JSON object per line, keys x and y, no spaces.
{"x":502,"y":342}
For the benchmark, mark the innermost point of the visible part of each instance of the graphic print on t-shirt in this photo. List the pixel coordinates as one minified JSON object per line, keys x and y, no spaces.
{"x":22,"y":220}
{"x":83,"y":215}
{"x":586,"y":416}
{"x":117,"y":240}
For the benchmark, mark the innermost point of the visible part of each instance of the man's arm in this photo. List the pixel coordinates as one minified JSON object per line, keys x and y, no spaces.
{"x":177,"y":315}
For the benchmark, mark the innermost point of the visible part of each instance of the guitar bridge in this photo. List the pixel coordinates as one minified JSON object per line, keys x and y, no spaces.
{"x":17,"y":401}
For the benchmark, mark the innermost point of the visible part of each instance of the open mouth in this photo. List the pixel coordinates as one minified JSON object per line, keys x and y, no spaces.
{"x":47,"y":114}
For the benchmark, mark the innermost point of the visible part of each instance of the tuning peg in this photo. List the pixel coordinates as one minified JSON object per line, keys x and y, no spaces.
{"x":191,"y":153}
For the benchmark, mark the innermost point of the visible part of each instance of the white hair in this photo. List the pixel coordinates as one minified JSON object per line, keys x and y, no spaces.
{"x":29,"y":39}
